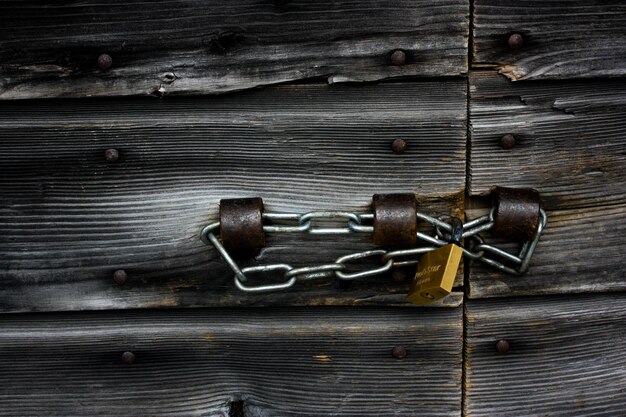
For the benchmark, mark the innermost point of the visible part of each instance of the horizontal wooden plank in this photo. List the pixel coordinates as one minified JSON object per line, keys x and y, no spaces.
{"x":69,"y":219}
{"x":199,"y":47}
{"x":566,"y":356}
{"x":561,"y":39}
{"x":581,"y":250}
{"x":287,"y":362}
{"x":570,"y":142}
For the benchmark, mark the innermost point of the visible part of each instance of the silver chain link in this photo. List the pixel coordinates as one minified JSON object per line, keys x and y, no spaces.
{"x":358,"y":223}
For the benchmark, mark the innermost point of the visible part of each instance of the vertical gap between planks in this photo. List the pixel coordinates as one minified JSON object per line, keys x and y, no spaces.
{"x":468,"y":159}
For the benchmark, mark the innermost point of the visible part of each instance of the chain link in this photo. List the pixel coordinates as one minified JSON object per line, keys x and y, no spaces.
{"x":358,"y":223}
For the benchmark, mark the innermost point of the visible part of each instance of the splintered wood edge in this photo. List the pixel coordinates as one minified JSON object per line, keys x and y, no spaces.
{"x":222,"y":48}
{"x":454,"y":299}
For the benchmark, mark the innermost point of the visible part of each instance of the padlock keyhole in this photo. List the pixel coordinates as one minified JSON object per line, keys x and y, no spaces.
{"x":427,"y":295}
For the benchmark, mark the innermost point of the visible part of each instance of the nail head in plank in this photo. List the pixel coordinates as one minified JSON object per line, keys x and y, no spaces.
{"x":210,"y":47}
{"x":69,"y":219}
{"x":566,"y":356}
{"x":285,"y":362}
{"x":531,"y":40}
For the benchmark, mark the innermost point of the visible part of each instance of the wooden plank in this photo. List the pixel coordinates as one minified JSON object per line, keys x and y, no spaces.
{"x":561,"y":39}
{"x":566,"y":356}
{"x":287,"y":362}
{"x":69,"y":219}
{"x":581,"y":250}
{"x":571,"y":145}
{"x":199,"y":47}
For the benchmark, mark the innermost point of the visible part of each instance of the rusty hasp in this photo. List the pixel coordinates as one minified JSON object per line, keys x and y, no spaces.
{"x":393,"y":223}
{"x":241,"y":221}
{"x":395,"y":219}
{"x":517,"y":213}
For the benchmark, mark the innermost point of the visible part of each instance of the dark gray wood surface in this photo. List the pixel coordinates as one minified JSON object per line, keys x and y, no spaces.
{"x":287,"y":362}
{"x":571,"y":147}
{"x":69,"y":219}
{"x":570,"y":139}
{"x":566,"y":356}
{"x":582,"y":250}
{"x":561,"y":39}
{"x":198,"y":47}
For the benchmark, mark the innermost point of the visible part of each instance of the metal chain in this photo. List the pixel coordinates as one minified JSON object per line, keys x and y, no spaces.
{"x":358,"y":223}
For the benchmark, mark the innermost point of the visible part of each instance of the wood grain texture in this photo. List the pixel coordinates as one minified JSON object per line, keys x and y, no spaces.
{"x":570,"y":139}
{"x":562,"y":39}
{"x":566,"y":356}
{"x":287,"y":362}
{"x":581,"y":250}
{"x":199,"y":47}
{"x":69,"y":219}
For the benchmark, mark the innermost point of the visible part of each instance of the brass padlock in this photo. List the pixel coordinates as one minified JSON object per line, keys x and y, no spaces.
{"x":437,"y":270}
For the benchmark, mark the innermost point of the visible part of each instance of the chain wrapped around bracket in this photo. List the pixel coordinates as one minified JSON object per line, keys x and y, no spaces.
{"x":516,"y":215}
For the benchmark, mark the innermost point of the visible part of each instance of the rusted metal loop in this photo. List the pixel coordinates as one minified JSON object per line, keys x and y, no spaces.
{"x":241,"y":222}
{"x":516,"y":213}
{"x":395,"y":219}
{"x":269,"y":287}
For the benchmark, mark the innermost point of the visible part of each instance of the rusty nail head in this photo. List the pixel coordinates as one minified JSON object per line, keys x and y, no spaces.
{"x":120,"y":277}
{"x":502,"y":346}
{"x":507,"y":141}
{"x":105,"y":61}
{"x":398,"y":146}
{"x":111,"y":155}
{"x":516,"y":41}
{"x":399,"y":352}
{"x":128,"y":358}
{"x":398,"y":57}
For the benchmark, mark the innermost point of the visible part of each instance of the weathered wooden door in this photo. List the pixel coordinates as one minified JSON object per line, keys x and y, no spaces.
{"x":123,"y":124}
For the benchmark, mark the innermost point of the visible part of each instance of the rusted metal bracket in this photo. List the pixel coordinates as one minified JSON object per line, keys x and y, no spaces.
{"x":516,"y":214}
{"x":395,"y":219}
{"x":241,"y":221}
